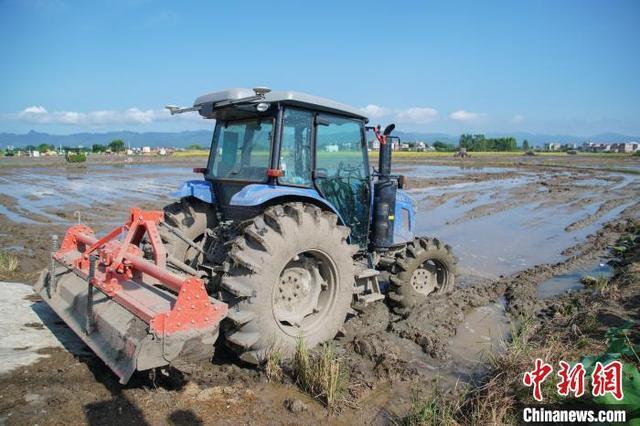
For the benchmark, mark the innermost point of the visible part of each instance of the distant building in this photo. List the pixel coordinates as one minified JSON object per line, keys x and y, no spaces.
{"x":569,"y":146}
{"x":331,"y":148}
{"x":625,"y":147}
{"x":552,"y":147}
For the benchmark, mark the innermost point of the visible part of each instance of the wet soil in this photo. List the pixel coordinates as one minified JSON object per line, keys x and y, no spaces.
{"x":514,"y":228}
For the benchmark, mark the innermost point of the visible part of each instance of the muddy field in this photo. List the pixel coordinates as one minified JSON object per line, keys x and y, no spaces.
{"x":525,"y":229}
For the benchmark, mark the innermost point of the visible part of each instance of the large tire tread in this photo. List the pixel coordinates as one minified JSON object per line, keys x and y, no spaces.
{"x":256,"y":258}
{"x":402,"y":296}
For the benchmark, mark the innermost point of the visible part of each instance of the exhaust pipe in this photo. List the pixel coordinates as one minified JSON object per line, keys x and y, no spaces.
{"x":384,"y":202}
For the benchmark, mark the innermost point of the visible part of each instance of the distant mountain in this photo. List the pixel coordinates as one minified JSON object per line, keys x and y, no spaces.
{"x":203,"y":137}
{"x":135,"y":139}
{"x":427,"y":137}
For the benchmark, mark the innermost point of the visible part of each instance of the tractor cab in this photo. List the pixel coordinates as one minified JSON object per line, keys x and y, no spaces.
{"x":269,"y":147}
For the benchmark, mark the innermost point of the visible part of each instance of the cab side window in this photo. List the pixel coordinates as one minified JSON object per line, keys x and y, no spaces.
{"x":295,"y":149}
{"x":339,"y":151}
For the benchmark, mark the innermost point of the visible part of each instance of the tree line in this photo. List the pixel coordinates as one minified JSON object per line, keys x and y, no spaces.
{"x":480,"y":143}
{"x":116,"y":145}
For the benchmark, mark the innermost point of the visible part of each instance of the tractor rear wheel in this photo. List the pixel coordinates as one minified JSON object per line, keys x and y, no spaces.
{"x":191,"y":217}
{"x":425,"y":267}
{"x":292,"y":277}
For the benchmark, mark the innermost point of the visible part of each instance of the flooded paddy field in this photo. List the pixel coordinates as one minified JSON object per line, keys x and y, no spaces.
{"x":524,"y":230}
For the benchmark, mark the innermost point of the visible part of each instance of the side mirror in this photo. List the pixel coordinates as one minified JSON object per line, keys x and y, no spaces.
{"x":402,"y":181}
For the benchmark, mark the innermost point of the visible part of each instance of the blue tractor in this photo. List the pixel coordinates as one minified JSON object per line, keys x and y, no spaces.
{"x":287,"y":233}
{"x":291,"y":227}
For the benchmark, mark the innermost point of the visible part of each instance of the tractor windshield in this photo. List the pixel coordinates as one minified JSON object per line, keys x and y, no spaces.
{"x":241,"y":149}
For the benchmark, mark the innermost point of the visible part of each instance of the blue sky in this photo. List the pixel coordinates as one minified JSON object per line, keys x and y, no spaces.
{"x":435,"y":66}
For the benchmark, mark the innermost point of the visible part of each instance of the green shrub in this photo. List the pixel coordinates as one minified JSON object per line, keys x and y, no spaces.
{"x":76,"y":157}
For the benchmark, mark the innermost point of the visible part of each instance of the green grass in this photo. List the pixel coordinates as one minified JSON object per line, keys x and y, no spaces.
{"x":435,"y":409}
{"x":192,"y":153}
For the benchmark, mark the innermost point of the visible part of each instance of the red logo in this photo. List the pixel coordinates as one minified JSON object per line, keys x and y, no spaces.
{"x":536,"y":377}
{"x":571,"y":379}
{"x":607,"y":379}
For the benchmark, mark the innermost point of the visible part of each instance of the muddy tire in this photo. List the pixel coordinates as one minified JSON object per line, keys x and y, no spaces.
{"x":191,"y":217}
{"x":426,"y":267}
{"x":292,"y":276}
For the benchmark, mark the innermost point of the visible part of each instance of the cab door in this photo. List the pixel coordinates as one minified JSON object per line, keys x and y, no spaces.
{"x":341,"y":172}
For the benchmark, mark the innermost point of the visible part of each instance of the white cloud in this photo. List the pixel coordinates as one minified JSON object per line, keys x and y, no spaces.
{"x":35,"y":110}
{"x":417,"y":115}
{"x":462,"y":115}
{"x":375,"y":111}
{"x":517,"y":119}
{"x":414,"y":115}
{"x":132,"y":116}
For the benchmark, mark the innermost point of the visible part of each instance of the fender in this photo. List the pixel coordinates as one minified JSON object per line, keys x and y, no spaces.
{"x":256,"y":194}
{"x":200,"y":189}
{"x":405,"y":211}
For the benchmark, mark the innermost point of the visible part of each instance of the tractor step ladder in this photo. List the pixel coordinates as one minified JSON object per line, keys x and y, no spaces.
{"x":368,"y":287}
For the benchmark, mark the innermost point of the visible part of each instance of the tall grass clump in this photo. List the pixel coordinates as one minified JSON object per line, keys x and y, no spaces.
{"x":8,"y":262}
{"x":320,"y":374}
{"x":599,"y":283}
{"x":273,"y":364}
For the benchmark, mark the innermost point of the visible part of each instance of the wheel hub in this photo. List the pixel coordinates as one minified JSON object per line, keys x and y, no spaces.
{"x":425,"y":279}
{"x":297,"y":291}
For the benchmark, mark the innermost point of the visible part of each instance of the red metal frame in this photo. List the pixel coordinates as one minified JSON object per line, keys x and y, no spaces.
{"x":121,"y":263}
{"x":381,"y":138}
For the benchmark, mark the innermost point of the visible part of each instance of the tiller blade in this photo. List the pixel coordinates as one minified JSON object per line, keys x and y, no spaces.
{"x":131,"y":311}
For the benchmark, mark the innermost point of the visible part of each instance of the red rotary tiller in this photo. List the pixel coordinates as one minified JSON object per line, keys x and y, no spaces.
{"x":142,"y":315}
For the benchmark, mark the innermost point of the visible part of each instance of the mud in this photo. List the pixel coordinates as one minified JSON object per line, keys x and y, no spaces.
{"x":515,"y":225}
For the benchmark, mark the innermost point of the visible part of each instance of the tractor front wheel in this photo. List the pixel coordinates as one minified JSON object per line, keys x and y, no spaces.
{"x":425,"y":267}
{"x":292,"y":277}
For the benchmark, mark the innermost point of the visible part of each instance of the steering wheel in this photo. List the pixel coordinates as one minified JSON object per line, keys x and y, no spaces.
{"x":348,"y":170}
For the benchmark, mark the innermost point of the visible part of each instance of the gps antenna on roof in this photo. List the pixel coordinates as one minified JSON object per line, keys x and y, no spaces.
{"x":173,"y":109}
{"x":261,"y":91}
